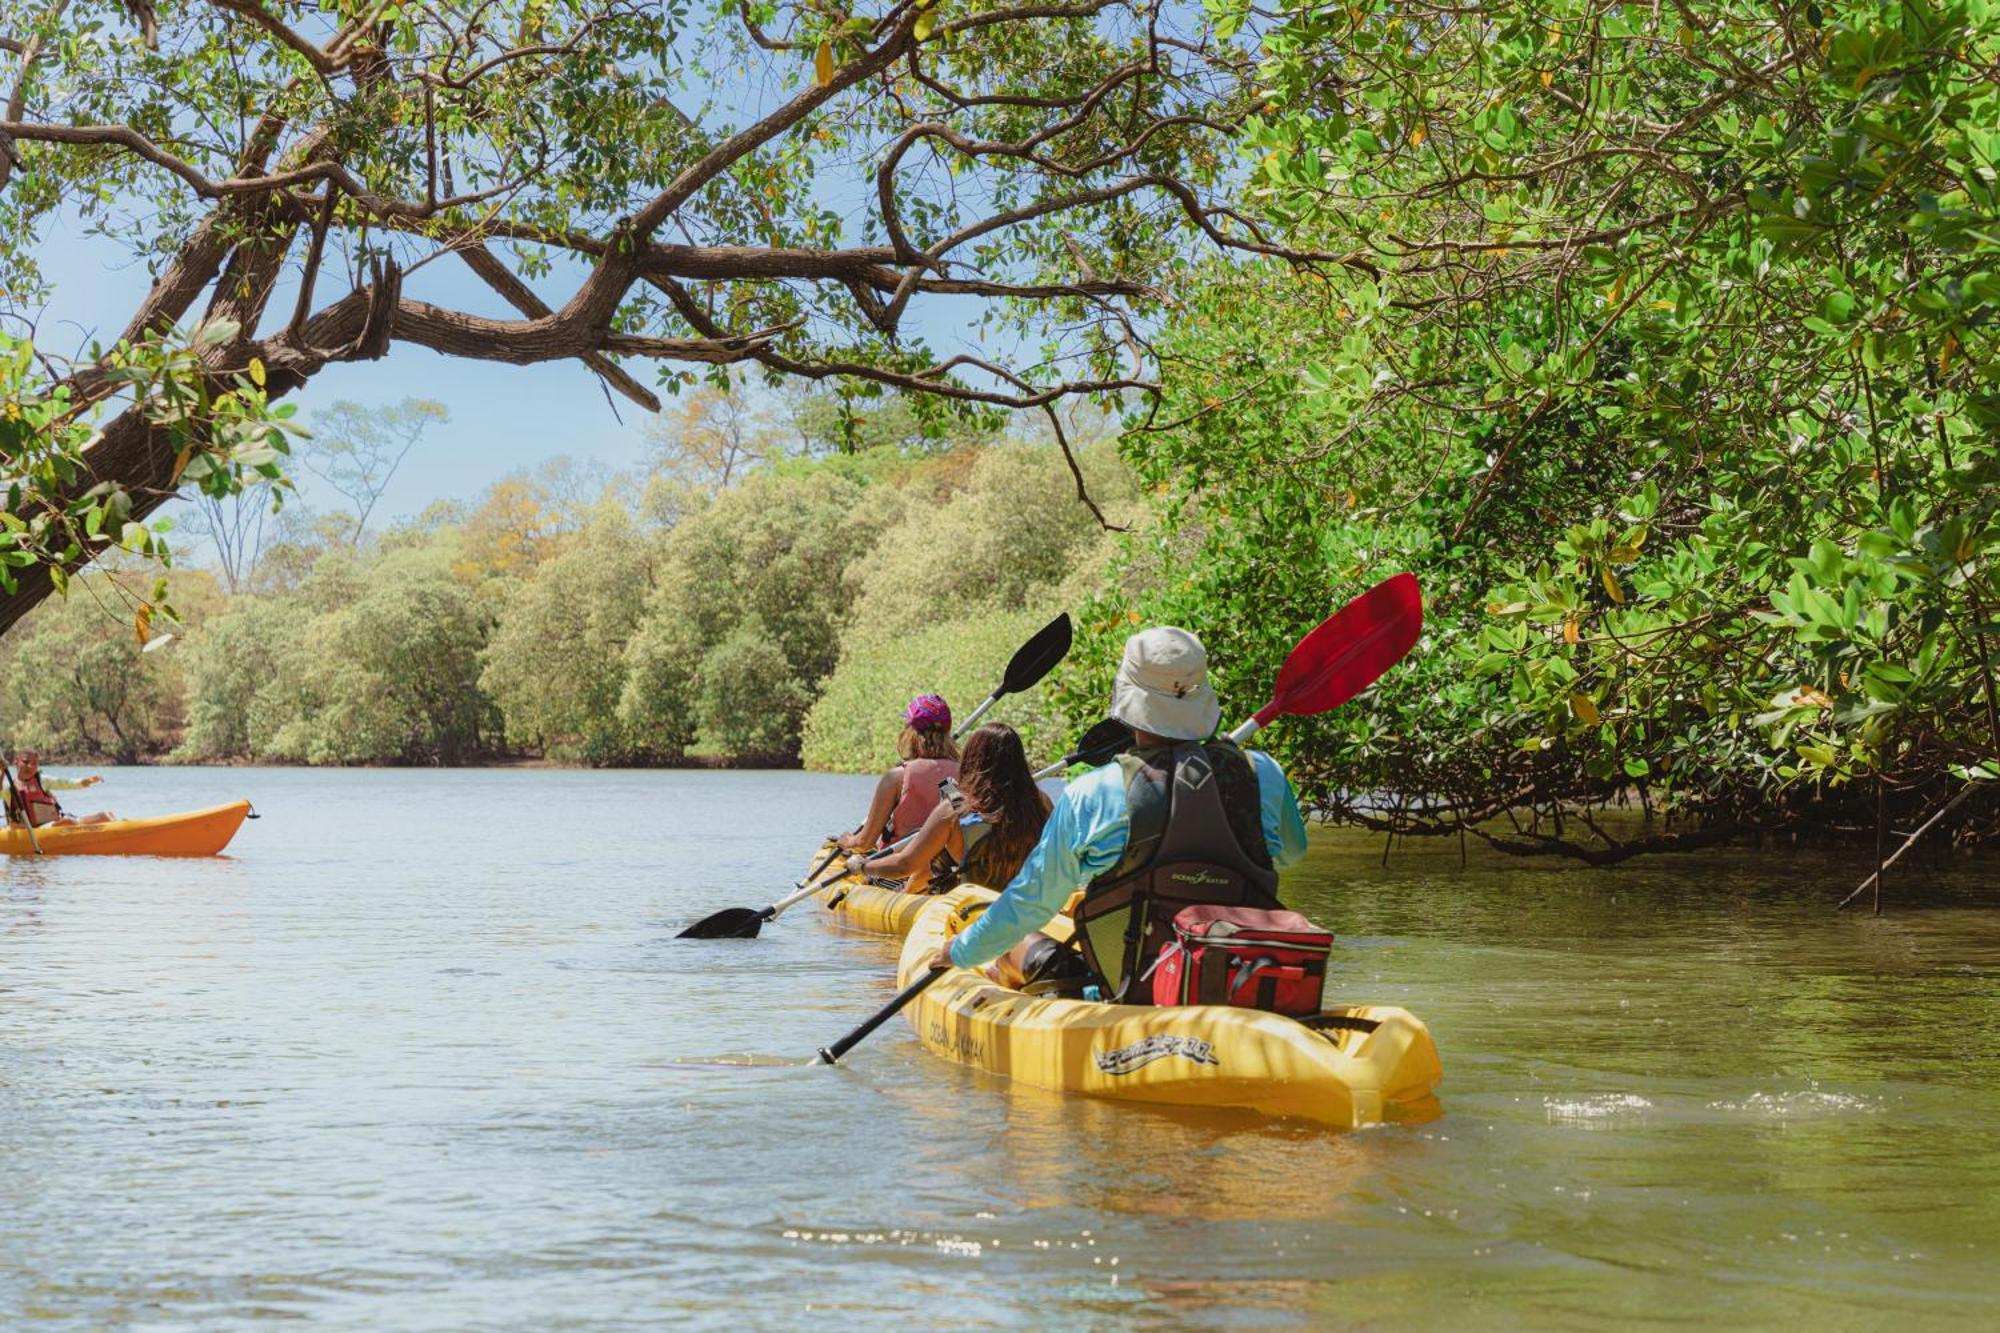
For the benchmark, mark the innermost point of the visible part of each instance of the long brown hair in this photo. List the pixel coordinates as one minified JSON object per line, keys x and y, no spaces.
{"x":930,"y":743}
{"x":997,"y":783}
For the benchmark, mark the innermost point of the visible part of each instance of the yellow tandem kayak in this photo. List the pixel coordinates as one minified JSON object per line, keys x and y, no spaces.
{"x":859,"y":905}
{"x":1369,"y":1063}
{"x":194,"y":833}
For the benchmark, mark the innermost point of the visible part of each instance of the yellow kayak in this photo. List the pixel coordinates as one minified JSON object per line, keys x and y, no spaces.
{"x":858,"y":905}
{"x":195,"y":833}
{"x":1185,"y":1055}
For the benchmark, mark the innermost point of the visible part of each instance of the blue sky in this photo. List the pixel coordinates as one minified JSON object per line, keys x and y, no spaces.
{"x":503,"y":418}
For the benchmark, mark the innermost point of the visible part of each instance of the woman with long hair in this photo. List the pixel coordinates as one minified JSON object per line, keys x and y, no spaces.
{"x":1001,"y":821}
{"x":908,"y":792}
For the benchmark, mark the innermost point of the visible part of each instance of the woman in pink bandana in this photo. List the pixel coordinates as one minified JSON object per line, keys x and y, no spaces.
{"x":909,"y":791}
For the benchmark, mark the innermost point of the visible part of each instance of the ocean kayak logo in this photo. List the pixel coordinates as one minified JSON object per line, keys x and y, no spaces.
{"x":1146,"y":1050}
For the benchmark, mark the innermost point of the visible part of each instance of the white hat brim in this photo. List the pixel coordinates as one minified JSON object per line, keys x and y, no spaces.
{"x":1189,"y":717}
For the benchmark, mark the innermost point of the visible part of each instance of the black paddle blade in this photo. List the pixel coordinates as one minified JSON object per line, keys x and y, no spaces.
{"x":731,"y":923}
{"x":1038,"y":656}
{"x":1101,"y":744}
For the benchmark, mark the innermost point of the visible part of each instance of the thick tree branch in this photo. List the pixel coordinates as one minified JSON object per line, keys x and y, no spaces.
{"x":517,"y":294}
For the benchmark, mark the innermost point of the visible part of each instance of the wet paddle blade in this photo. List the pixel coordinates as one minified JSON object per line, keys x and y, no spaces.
{"x":1349,"y":650}
{"x":731,"y":923}
{"x":1038,"y":656}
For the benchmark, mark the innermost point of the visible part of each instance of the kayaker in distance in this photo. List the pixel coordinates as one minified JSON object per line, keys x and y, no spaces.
{"x":1003,"y":818}
{"x":908,"y":792}
{"x":41,"y":807}
{"x":1225,"y":818}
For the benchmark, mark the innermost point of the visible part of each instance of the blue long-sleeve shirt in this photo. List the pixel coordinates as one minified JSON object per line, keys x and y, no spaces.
{"x":1085,"y":837}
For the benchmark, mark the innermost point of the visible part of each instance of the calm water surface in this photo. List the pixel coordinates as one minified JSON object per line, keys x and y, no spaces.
{"x":422,"y":1052}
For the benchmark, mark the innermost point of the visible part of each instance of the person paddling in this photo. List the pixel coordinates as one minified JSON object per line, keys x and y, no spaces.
{"x":908,"y":792}
{"x":1183,"y":817}
{"x":986,"y":843}
{"x":36,"y":805}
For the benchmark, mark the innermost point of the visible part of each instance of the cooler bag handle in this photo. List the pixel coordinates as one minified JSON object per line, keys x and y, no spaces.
{"x":1246,"y":973}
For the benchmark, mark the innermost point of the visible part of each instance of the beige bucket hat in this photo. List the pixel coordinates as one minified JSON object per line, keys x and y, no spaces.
{"x":1162,"y":686}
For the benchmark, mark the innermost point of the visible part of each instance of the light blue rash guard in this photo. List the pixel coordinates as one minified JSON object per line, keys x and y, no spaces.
{"x":1085,"y":837}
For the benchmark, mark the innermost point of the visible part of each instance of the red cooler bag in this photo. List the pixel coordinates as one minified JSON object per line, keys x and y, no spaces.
{"x":1243,"y":956}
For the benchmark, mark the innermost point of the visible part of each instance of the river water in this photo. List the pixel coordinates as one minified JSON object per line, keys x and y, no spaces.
{"x":422,"y":1052}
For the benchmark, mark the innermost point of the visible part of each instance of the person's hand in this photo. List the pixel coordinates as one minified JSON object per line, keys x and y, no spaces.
{"x":856,"y":864}
{"x":848,"y":842}
{"x":942,"y":958}
{"x":93,"y":780}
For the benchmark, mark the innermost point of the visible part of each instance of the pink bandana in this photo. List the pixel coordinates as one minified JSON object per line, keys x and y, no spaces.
{"x":928,"y":712}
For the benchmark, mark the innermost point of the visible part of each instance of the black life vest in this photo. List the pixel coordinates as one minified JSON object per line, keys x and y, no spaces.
{"x":1197,"y":836}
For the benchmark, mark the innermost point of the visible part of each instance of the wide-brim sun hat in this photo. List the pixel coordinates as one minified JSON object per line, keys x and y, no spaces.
{"x":1162,"y":686}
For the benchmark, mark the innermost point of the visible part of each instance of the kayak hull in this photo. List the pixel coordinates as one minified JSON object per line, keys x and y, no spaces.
{"x":1213,"y":1056}
{"x":856,"y":904}
{"x":192,"y":833}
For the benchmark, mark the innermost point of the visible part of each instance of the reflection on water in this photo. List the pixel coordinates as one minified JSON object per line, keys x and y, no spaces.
{"x":412,"y":1057}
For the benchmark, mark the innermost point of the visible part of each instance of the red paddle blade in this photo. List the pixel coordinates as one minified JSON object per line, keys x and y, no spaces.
{"x":1349,"y":650}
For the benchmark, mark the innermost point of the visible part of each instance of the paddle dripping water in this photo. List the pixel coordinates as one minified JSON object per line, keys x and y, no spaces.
{"x":402,"y":1059}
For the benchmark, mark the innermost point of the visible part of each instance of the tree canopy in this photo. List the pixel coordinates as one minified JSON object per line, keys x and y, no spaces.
{"x":773,"y":184}
{"x":1665,"y":355}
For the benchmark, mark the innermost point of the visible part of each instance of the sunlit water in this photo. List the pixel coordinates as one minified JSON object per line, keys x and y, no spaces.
{"x":422,"y":1052}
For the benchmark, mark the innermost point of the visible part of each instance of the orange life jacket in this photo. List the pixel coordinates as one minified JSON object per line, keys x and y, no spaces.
{"x":39,"y":807}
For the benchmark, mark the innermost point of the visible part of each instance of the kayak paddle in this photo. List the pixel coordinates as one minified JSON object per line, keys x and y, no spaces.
{"x":21,"y":804}
{"x":1032,"y":661}
{"x":1035,"y":659}
{"x":1345,"y":653}
{"x":1100,"y":745}
{"x":1342,"y":656}
{"x":831,"y":1054}
{"x":1097,"y":746}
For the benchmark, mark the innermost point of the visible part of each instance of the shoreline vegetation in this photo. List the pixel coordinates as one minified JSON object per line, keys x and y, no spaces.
{"x":1662,"y":346}
{"x":769,"y":604}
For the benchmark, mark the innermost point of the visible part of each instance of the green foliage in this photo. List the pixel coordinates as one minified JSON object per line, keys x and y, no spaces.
{"x":854,"y":723}
{"x":952,"y":589}
{"x":748,"y":695}
{"x":768,"y":560}
{"x":371,"y":660}
{"x":237,"y":698}
{"x":1660,"y":343}
{"x":392,"y":673}
{"x":556,"y":662}
{"x":224,"y":440}
{"x":998,"y":540}
{"x":77,"y":684}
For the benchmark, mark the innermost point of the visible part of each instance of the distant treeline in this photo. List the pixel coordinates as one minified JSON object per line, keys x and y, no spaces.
{"x":769,"y":610}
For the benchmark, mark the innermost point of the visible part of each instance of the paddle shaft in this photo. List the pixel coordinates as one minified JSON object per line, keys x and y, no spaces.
{"x":1040,"y":773}
{"x":803,"y":892}
{"x":831,"y":1054}
{"x":820,"y":869}
{"x":1055,"y":768}
{"x":976,"y":714}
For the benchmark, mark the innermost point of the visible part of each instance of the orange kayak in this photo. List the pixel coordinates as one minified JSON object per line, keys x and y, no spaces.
{"x":196,"y":833}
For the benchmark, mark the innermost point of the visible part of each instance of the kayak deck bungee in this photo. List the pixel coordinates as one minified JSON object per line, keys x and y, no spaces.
{"x":1373,"y":1063}
{"x":856,"y":903}
{"x":193,"y":833}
